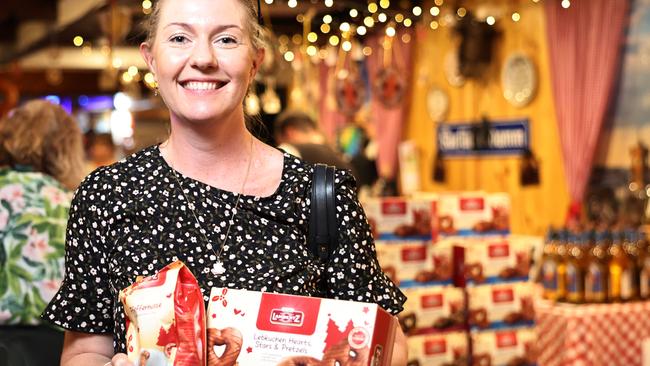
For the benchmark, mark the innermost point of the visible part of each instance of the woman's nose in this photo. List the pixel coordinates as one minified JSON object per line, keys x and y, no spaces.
{"x":204,"y":56}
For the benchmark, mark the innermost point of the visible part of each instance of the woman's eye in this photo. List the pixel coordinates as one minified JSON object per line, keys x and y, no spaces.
{"x":227,"y":42}
{"x":178,"y":39}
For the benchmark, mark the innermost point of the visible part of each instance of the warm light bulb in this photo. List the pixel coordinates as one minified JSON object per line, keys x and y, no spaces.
{"x":132,"y":70}
{"x":390,"y":31}
{"x":312,"y":50}
{"x":408,"y":22}
{"x":566,"y":4}
{"x":269,"y":2}
{"x":354,"y":13}
{"x":372,"y":7}
{"x":325,"y":28}
{"x":490,"y":20}
{"x":292,"y":3}
{"x":289,"y":56}
{"x":344,"y":27}
{"x":346,"y":46}
{"x":406,"y":38}
{"x":382,"y":17}
{"x":369,"y":22}
{"x":361,"y":30}
{"x":384,"y":4}
{"x":78,"y":41}
{"x":329,"y":3}
{"x":334,"y":40}
{"x":516,"y":17}
{"x":417,"y":11}
{"x":435,"y":11}
{"x":312,"y":37}
{"x":367,"y":51}
{"x":146,"y":4}
{"x":399,"y":17}
{"x":434,"y":25}
{"x":327,"y":19}
{"x":461,"y":12}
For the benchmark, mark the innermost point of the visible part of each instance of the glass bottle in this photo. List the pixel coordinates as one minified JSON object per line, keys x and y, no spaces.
{"x":597,"y":272}
{"x":621,"y":282}
{"x":575,"y":267}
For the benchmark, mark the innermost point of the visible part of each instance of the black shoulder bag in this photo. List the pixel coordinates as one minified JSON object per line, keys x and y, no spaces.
{"x":323,"y":228}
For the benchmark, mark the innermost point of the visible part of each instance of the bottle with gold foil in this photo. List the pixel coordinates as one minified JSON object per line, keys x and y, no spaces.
{"x":549,"y":265}
{"x":561,"y":265}
{"x":621,"y":281}
{"x":644,"y":266}
{"x":575,"y":267}
{"x":631,"y":247}
{"x":597,"y":271}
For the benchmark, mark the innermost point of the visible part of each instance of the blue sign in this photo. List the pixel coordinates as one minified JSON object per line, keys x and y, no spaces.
{"x":493,"y":138}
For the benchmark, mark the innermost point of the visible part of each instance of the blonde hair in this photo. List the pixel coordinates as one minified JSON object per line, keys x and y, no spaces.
{"x":46,"y":138}
{"x":255,"y":30}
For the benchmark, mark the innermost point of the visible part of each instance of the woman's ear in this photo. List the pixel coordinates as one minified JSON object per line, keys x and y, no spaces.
{"x":147,"y":55}
{"x":258,"y":58}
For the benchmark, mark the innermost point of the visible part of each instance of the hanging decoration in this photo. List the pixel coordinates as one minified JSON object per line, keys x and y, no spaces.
{"x":389,"y":86}
{"x":519,"y":80}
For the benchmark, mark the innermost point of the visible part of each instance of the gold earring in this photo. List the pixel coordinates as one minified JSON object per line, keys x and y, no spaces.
{"x":155,"y":91}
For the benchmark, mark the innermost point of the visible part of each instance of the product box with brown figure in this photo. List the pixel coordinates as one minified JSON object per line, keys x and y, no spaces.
{"x":447,"y":349}
{"x":508,"y":347}
{"x":503,"y":305}
{"x":399,"y":218}
{"x":473,"y":213}
{"x":432,"y":308}
{"x":415,"y":263}
{"x":256,"y":328}
{"x":495,"y":259}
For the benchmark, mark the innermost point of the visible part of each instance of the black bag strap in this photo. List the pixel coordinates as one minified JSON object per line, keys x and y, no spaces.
{"x":323,"y":228}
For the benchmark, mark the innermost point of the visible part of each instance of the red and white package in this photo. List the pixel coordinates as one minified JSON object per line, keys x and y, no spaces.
{"x":470,"y":213}
{"x":438,"y":349}
{"x":401,"y":218}
{"x":504,"y":347}
{"x":264,"y":329}
{"x":432,"y":308}
{"x":165,"y":319}
{"x":501,"y":305}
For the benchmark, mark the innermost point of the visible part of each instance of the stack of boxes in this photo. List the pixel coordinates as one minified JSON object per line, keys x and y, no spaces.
{"x":466,"y":277}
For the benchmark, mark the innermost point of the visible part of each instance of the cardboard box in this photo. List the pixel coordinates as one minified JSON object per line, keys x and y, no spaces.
{"x":504,"y":347}
{"x":276,"y":329}
{"x":432,"y":308}
{"x":438,"y":349}
{"x":415,"y":263}
{"x":473,"y":213}
{"x":503,"y":305}
{"x":400,"y":218}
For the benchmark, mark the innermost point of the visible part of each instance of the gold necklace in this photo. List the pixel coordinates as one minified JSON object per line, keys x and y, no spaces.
{"x":218,"y":267}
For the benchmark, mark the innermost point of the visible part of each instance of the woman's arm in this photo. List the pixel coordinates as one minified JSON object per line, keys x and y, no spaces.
{"x":400,"y":350}
{"x":84,"y":349}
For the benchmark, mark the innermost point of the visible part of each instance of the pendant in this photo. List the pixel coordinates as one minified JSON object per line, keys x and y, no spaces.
{"x":218,"y":268}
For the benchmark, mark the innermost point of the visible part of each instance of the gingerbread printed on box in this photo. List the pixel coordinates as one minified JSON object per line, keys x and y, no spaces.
{"x":473,"y":213}
{"x":399,"y":218}
{"x":503,"y":305}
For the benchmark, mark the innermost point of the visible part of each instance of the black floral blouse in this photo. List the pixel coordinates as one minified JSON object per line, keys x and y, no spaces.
{"x":131,"y":219}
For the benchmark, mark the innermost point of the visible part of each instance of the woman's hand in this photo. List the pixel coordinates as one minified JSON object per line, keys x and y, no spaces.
{"x":120,"y":359}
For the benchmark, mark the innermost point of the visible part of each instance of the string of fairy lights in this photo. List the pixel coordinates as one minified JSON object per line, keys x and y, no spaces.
{"x":343,"y":23}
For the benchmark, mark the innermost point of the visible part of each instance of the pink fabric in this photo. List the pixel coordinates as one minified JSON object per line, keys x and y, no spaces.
{"x":330,"y":118}
{"x":585,"y":44}
{"x":389,"y":122}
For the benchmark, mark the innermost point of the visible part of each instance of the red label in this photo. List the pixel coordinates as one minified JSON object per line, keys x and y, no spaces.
{"x":435,"y":346}
{"x":393,"y":207}
{"x":503,"y":295}
{"x":499,"y":250}
{"x":414,"y":254}
{"x":288,"y":314}
{"x":472,"y":204}
{"x":506,"y":339}
{"x":431,"y":301}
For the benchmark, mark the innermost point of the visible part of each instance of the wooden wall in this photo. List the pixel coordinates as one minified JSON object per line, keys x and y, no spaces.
{"x":534,"y":208}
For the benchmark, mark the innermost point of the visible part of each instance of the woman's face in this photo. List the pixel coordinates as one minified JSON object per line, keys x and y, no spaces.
{"x":202,"y":58}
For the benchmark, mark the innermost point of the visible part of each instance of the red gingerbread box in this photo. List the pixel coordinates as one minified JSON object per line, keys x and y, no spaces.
{"x":256,"y":328}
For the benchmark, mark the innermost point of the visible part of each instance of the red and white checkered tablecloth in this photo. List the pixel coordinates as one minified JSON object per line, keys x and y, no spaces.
{"x":591,"y":335}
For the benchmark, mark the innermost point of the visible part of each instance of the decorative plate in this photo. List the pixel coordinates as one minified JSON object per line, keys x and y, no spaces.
{"x":519,"y":80}
{"x":389,"y":87}
{"x":437,"y":103}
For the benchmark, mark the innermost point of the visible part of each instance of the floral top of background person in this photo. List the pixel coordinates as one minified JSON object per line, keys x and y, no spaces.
{"x":41,"y":160}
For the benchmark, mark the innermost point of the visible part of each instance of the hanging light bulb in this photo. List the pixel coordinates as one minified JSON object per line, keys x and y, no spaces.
{"x":252,"y":104}
{"x":270,"y":100}
{"x":566,"y":4}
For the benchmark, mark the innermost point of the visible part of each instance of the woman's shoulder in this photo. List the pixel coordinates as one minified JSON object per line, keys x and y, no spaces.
{"x":300,"y":171}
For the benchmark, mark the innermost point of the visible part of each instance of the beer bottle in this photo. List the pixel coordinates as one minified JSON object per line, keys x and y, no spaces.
{"x":597,"y":273}
{"x":621,"y":282}
{"x":575,"y":267}
{"x":644,"y":266}
{"x":549,"y":265}
{"x":561,"y":265}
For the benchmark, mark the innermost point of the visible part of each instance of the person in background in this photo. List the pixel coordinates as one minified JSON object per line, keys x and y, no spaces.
{"x":101,"y":150}
{"x":41,"y":161}
{"x":298,"y":134}
{"x":230,"y":207}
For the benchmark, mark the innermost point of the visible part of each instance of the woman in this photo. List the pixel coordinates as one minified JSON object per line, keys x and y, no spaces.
{"x":233,"y":209}
{"x":41,"y":161}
